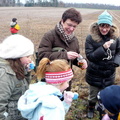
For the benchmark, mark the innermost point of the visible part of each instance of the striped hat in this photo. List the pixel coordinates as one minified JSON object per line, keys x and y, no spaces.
{"x":58,"y":77}
{"x":105,"y":17}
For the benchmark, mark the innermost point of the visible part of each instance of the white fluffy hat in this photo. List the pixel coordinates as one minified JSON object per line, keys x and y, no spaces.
{"x":16,"y":46}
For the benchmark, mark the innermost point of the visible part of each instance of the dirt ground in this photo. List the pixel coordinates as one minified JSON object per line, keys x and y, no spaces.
{"x":34,"y":22}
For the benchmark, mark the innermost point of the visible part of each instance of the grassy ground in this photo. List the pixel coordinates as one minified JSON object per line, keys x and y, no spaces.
{"x":34,"y":22}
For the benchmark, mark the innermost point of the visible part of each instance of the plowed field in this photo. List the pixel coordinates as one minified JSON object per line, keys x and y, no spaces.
{"x":34,"y":22}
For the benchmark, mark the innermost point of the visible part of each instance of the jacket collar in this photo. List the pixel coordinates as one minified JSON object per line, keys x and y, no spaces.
{"x":94,"y":31}
{"x":5,"y":64}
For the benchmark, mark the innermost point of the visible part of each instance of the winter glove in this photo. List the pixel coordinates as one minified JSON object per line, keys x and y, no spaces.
{"x":68,"y":95}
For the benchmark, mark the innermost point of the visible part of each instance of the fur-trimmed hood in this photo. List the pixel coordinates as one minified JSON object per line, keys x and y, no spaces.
{"x":96,"y":35}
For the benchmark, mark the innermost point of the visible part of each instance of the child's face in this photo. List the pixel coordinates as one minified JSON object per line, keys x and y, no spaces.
{"x":64,"y":85}
{"x":26,"y":60}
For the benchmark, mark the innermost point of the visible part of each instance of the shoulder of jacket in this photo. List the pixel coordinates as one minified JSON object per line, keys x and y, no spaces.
{"x":2,"y":71}
{"x":6,"y":69}
{"x":50,"y":32}
{"x":89,"y":37}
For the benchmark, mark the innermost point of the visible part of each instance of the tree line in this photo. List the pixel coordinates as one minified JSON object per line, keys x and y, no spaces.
{"x":55,"y":3}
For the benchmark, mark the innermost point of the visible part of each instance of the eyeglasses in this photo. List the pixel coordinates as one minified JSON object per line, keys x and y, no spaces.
{"x":103,"y":25}
{"x":70,"y":25}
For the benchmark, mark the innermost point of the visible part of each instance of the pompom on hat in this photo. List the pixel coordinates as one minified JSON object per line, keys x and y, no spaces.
{"x":16,"y":46}
{"x":58,"y":77}
{"x":105,"y":17}
{"x":110,"y":98}
{"x":14,"y":22}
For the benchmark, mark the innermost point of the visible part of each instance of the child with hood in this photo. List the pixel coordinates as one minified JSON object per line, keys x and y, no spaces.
{"x":42,"y":101}
{"x":109,"y":101}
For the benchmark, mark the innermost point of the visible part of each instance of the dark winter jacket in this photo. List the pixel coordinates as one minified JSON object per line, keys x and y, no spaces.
{"x":101,"y":71}
{"x":54,"y":39}
{"x":10,"y":91}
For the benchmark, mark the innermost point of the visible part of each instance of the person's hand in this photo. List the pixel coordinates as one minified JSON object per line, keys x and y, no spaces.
{"x":83,"y":64}
{"x":106,"y":117}
{"x":30,"y":66}
{"x":68,"y":96}
{"x":72,"y":55}
{"x":108,"y":44}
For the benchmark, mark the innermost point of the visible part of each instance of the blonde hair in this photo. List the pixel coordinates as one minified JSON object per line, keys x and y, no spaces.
{"x":45,"y":65}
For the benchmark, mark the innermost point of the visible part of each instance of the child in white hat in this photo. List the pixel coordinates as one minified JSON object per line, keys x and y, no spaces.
{"x":43,"y":99}
{"x":15,"y":55}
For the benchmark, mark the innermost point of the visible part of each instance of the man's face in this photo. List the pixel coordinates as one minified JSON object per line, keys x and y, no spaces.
{"x":69,"y":26}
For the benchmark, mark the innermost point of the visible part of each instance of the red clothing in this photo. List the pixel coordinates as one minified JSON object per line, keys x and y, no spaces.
{"x":13,"y":30}
{"x":41,"y":118}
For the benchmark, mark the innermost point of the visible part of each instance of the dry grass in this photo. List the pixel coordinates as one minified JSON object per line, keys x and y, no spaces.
{"x":34,"y":22}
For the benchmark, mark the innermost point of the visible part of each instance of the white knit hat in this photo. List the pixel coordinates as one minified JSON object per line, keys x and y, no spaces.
{"x":16,"y":46}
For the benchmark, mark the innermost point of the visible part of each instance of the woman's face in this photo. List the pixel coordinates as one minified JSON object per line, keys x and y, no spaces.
{"x":104,"y":28}
{"x":69,"y":26}
{"x":26,"y":60}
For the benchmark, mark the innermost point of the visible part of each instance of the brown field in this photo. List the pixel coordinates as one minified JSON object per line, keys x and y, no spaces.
{"x":34,"y":22}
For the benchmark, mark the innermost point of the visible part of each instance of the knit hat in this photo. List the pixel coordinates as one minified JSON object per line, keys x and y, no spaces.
{"x":16,"y":46}
{"x":105,"y":17}
{"x":14,"y":26}
{"x":110,"y":97}
{"x":58,"y":77}
{"x":13,"y":23}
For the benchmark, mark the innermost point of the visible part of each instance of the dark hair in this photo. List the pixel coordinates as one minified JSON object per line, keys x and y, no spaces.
{"x":17,"y":67}
{"x":73,"y":15}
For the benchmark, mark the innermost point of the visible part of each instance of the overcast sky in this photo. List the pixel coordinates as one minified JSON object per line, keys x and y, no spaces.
{"x":111,"y":2}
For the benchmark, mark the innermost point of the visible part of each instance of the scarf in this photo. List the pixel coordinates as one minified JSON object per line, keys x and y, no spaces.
{"x":67,"y":38}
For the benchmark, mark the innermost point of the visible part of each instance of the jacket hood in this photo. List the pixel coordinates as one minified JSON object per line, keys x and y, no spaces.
{"x":34,"y":97}
{"x":110,"y":97}
{"x":96,"y":35}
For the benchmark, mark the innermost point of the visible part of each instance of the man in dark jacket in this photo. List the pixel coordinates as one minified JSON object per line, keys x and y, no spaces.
{"x":101,"y":48}
{"x":60,"y":43}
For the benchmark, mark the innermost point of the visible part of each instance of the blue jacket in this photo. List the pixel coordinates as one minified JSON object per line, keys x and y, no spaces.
{"x":41,"y":100}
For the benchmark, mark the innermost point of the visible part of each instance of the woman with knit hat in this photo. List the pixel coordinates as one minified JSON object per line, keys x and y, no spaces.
{"x":101,"y":48}
{"x":15,"y":56}
{"x":42,"y":101}
{"x":109,"y":101}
